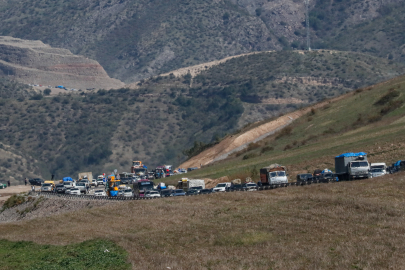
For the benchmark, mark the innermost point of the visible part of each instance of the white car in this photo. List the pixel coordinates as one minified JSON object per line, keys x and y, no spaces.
{"x":67,"y":191}
{"x":251,"y":186}
{"x":128,"y":193}
{"x":75,"y":191}
{"x":221,"y":187}
{"x":100,"y":192}
{"x":152,"y":194}
{"x":94,"y":183}
{"x":376,"y":173}
{"x":46,"y":187}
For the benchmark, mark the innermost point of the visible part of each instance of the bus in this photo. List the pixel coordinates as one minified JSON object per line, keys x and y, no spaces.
{"x":141,"y":186}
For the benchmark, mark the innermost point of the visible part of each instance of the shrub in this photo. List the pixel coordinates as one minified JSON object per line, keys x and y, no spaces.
{"x":47,"y":92}
{"x":393,"y":105}
{"x":287,"y":147}
{"x":374,"y":118}
{"x":251,"y":155}
{"x":284,"y":132}
{"x":267,"y":149}
{"x":253,"y":146}
{"x":392,"y":94}
{"x":14,"y":200}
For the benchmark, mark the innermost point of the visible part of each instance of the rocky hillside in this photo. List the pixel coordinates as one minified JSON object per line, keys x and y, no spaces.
{"x":164,"y":116}
{"x":34,"y":62}
{"x":134,"y":39}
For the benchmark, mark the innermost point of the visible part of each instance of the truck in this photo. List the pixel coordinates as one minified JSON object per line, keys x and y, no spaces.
{"x":273,"y":175}
{"x":135,"y":165}
{"x":85,"y":175}
{"x":350,"y":166}
{"x":195,"y":184}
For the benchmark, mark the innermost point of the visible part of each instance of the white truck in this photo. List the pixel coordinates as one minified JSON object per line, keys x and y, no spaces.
{"x":100,"y":180}
{"x":195,"y":184}
{"x":274,"y":174}
{"x":350,"y":166}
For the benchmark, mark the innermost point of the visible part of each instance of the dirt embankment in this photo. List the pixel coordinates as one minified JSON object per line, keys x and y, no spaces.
{"x":36,"y":207}
{"x":237,"y":142}
{"x":34,"y":62}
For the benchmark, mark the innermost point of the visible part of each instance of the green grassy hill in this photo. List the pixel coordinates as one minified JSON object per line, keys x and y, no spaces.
{"x":370,"y":119}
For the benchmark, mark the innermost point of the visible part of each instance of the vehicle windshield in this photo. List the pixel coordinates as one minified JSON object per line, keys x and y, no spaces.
{"x":196,"y":188}
{"x":382,"y":167}
{"x":179,"y":191}
{"x":328,"y":174}
{"x":74,"y":189}
{"x":67,"y":183}
{"x":46,"y":185}
{"x":153,"y":192}
{"x":60,"y":186}
{"x":359,"y":164}
{"x":128,"y":190}
{"x":377,"y":170}
{"x":305,"y":176}
{"x":81,"y":184}
{"x":136,"y":163}
{"x":221,"y":185}
{"x":251,"y":184}
{"x":280,"y":173}
{"x":140,"y":170}
{"x":98,"y":191}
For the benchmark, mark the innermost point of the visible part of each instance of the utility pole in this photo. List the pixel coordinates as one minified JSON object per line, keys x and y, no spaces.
{"x":307,"y":23}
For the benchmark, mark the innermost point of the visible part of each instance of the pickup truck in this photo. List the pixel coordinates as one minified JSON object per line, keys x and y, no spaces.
{"x":221,"y":187}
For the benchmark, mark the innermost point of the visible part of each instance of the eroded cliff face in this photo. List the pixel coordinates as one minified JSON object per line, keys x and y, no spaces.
{"x":34,"y":62}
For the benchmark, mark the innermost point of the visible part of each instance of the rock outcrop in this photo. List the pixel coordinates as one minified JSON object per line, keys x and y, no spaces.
{"x":34,"y":62}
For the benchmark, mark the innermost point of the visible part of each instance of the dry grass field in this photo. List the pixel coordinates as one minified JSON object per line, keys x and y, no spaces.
{"x":345,"y":225}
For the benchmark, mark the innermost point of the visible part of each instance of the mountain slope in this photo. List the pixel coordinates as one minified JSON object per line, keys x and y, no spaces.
{"x":164,"y":116}
{"x":134,"y":39}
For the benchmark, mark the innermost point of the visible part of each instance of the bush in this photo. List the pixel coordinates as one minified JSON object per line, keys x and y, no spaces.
{"x":391,"y":95}
{"x":393,"y":105}
{"x":251,"y":155}
{"x":267,"y":149}
{"x":47,"y":92}
{"x":284,"y":132}
{"x":14,"y":200}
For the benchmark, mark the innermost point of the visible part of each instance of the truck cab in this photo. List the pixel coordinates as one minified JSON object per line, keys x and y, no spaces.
{"x":359,"y":169}
{"x":273,"y":175}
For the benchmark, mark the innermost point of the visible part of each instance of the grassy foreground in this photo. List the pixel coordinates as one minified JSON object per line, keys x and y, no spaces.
{"x":86,"y":255}
{"x":358,"y":224}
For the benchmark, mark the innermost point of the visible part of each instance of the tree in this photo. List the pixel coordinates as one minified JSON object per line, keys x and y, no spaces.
{"x":47,"y":92}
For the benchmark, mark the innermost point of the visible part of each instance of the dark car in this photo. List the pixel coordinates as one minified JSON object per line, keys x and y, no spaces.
{"x":192,"y":192}
{"x":36,"y":181}
{"x":60,"y":188}
{"x":206,"y":191}
{"x":192,"y":169}
{"x":303,"y":177}
{"x":328,"y":177}
{"x":179,"y":192}
{"x":234,"y":187}
{"x":166,"y":193}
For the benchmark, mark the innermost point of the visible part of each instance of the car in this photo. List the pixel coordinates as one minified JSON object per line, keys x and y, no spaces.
{"x":235,"y":187}
{"x":47,"y":187}
{"x":94,"y":183}
{"x":3,"y":185}
{"x":100,"y":192}
{"x":69,"y":184}
{"x":82,"y":187}
{"x":178,"y":192}
{"x":152,"y":194}
{"x":67,"y":190}
{"x":128,"y":193}
{"x":199,"y":188}
{"x":193,"y":192}
{"x":100,"y":182}
{"x":221,"y":187}
{"x":75,"y":191}
{"x":36,"y":181}
{"x":251,"y":186}
{"x":59,"y":188}
{"x":376,"y":173}
{"x":206,"y":191}
{"x":304,"y":177}
{"x":192,"y":169}
{"x":87,"y":182}
{"x":166,"y":193}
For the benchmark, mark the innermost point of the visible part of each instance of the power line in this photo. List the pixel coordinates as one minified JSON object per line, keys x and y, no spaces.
{"x":307,"y":23}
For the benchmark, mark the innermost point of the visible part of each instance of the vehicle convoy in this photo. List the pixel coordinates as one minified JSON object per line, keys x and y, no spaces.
{"x":350,"y":166}
{"x":273,"y":175}
{"x":141,"y":186}
{"x":85,"y":176}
